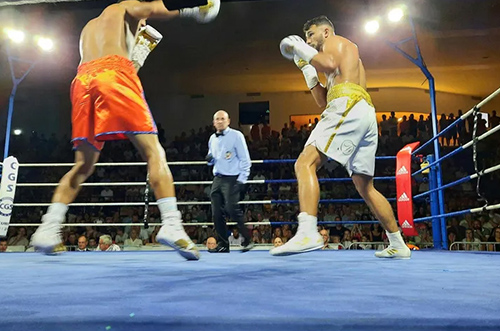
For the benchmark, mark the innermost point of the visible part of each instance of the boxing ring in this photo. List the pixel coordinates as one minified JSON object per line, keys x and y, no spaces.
{"x":334,"y":290}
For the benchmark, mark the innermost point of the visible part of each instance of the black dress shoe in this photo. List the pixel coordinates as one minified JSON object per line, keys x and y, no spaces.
{"x":247,"y":247}
{"x":219,"y":249}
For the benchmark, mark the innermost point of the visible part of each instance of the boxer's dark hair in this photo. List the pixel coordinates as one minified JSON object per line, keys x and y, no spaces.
{"x":320,"y":20}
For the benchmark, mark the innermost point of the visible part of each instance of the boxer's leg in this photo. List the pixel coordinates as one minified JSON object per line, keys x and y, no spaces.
{"x":307,"y":237}
{"x":48,"y":234}
{"x":308,"y":163}
{"x":86,"y":157}
{"x":172,"y":232}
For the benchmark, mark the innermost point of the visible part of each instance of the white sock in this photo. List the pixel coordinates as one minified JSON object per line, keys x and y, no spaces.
{"x":58,"y":211}
{"x":167,"y":205}
{"x":309,"y":221}
{"x":395,"y":239}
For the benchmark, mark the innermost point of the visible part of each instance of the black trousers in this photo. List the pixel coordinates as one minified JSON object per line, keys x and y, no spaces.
{"x":225,"y":196}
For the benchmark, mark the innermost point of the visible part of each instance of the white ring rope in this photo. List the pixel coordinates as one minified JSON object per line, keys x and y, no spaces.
{"x":482,"y":103}
{"x":130,"y":164}
{"x":5,"y":3}
{"x":141,"y":224}
{"x":200,"y":182}
{"x":131,"y":204}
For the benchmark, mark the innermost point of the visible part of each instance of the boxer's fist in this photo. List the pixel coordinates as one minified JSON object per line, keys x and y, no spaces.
{"x":147,"y":39}
{"x":299,"y":62}
{"x":287,"y":46}
{"x":203,"y":14}
{"x":295,"y":45}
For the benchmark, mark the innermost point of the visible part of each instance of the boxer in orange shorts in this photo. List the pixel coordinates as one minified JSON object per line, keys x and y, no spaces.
{"x":108,"y":104}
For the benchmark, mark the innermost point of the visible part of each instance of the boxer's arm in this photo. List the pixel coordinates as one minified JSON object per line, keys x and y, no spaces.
{"x":324,"y":62}
{"x":145,"y":10}
{"x":319,"y":94}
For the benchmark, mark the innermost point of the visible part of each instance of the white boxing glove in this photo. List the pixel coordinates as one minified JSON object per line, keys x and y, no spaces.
{"x":147,"y":39}
{"x":295,"y":45}
{"x":310,"y":73}
{"x":202,"y":14}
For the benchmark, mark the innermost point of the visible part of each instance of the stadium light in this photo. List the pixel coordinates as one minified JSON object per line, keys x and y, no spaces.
{"x":18,"y":132}
{"x":45,"y":44}
{"x":372,"y":26}
{"x":396,"y":14}
{"x":16,"y":36}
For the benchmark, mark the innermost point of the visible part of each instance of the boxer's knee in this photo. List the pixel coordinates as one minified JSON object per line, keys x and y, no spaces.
{"x":363,"y":184}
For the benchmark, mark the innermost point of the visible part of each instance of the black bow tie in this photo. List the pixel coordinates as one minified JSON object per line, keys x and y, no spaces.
{"x":217,"y":134}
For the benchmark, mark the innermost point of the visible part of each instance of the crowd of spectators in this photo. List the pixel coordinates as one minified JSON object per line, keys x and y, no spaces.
{"x":264,"y":142}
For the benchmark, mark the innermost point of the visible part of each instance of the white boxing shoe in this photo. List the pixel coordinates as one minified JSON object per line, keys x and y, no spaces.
{"x":394,"y":252}
{"x":306,"y":239}
{"x":302,"y":242}
{"x":47,"y":236}
{"x":172,"y":234}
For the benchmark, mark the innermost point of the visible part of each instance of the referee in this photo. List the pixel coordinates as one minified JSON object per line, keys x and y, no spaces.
{"x":228,"y":153}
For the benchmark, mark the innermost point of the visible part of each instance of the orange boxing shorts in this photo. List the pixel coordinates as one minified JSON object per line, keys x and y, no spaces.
{"x":108,"y":102}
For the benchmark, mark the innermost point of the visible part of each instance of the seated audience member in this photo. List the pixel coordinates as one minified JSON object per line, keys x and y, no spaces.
{"x":3,"y":245}
{"x":82,"y":244}
{"x":277,"y":242}
{"x":211,"y":243}
{"x":106,"y":244}
{"x":133,"y":241}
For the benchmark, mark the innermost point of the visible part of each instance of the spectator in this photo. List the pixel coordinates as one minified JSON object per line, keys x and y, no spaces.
{"x":473,"y":244}
{"x":393,"y":125}
{"x":326,"y":238}
{"x":265,"y":131}
{"x":107,"y":194}
{"x":385,"y":126}
{"x":494,"y":237}
{"x":494,"y":119}
{"x":20,"y":238}
{"x":82,"y":244}
{"x":346,"y":239}
{"x":106,"y":244}
{"x":277,"y":242}
{"x":443,"y":123}
{"x":235,"y":239}
{"x":211,"y":243}
{"x":134,"y":240}
{"x":336,"y":245}
{"x":121,"y":236}
{"x":3,"y":245}
{"x":255,"y":132}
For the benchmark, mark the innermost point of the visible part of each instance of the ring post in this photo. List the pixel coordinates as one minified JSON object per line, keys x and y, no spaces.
{"x":419,"y":62}
{"x":15,"y":83}
{"x":437,"y":237}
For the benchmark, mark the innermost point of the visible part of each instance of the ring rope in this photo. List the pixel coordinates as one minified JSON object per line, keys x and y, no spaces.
{"x":458,"y":120}
{"x":188,"y":203}
{"x":5,"y":3}
{"x":174,"y":163}
{"x":459,"y":149}
{"x":460,"y":181}
{"x":458,"y":213}
{"x":197,"y":223}
{"x":200,"y":182}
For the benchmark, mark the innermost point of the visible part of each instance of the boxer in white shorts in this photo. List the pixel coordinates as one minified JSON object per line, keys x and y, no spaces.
{"x":347,"y":133}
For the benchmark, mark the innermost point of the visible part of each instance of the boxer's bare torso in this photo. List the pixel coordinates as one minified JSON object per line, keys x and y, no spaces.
{"x":112,"y":33}
{"x":350,"y":68}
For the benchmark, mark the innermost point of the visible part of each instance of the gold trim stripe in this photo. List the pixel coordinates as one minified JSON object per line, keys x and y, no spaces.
{"x":355,"y":93}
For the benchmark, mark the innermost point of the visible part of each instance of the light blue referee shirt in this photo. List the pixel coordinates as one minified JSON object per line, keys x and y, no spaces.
{"x":230,"y":154}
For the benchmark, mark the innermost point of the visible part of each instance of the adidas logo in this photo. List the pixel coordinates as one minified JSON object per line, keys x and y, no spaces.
{"x":402,"y":171}
{"x":403,"y":197}
{"x":406,"y":225}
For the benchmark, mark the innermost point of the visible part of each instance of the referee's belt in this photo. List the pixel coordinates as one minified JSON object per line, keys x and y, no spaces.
{"x":225,"y":176}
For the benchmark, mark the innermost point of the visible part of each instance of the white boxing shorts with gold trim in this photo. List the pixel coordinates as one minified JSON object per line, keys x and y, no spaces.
{"x":347,"y":131}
